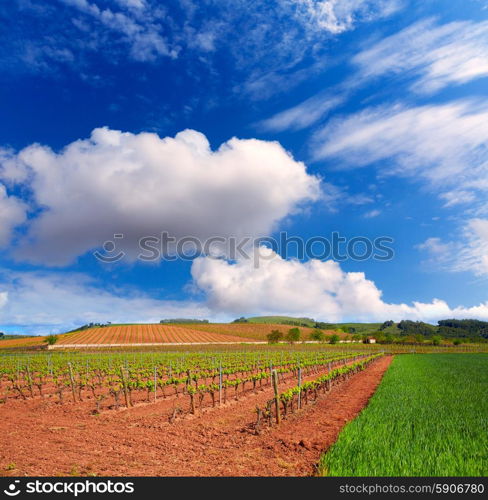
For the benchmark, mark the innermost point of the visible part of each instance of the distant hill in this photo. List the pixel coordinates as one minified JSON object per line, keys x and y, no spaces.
{"x":278,"y":320}
{"x":359,"y":328}
{"x":15,"y":337}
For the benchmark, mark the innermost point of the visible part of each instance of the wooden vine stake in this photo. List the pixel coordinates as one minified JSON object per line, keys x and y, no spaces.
{"x":274,"y":375}
{"x":124,"y":386}
{"x":72,"y":380}
{"x":188,"y":379}
{"x":299,"y":387}
{"x":155,"y":383}
{"x":220,"y":383}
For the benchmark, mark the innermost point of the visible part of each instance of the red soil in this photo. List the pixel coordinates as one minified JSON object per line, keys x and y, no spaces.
{"x":135,"y":334}
{"x":42,"y":437}
{"x":23,"y":342}
{"x":257,"y":331}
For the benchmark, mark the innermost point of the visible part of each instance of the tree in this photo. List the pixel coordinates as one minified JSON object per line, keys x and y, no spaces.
{"x":387,"y":324}
{"x":242,"y":319}
{"x":1,"y":334}
{"x":408,"y":327}
{"x":436,"y":340}
{"x":334,"y":339}
{"x":317,"y":335}
{"x":51,"y":339}
{"x":274,"y":337}
{"x":457,"y":341}
{"x":293,"y":335}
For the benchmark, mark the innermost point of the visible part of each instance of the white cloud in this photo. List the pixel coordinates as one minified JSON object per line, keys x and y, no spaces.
{"x":140,"y":185}
{"x":36,"y":302}
{"x":435,"y":246}
{"x":139,"y":27}
{"x":432,"y":56}
{"x":457,"y":197}
{"x":444,"y":145}
{"x":12,"y":213}
{"x":12,"y":170}
{"x":132,"y":4}
{"x":302,"y":115}
{"x":3,"y":299}
{"x":314,"y":288}
{"x":469,"y":252}
{"x":372,"y":213}
{"x":472,"y":251}
{"x":337,"y":16}
{"x":435,"y":55}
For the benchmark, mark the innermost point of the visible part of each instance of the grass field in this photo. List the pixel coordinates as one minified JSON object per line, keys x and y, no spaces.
{"x":282,"y":320}
{"x":427,"y":418}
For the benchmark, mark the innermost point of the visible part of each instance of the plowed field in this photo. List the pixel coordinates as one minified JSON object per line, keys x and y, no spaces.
{"x":144,"y":334}
{"x":255,"y":331}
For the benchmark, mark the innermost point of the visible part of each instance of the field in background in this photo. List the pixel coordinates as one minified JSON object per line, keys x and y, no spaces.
{"x":27,"y":342}
{"x":427,"y":418}
{"x":141,"y":334}
{"x":255,"y":331}
{"x":282,"y":320}
{"x":159,"y":336}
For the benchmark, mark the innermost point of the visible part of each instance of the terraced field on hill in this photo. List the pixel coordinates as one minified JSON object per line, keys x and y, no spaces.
{"x":256,"y":331}
{"x":144,"y":334}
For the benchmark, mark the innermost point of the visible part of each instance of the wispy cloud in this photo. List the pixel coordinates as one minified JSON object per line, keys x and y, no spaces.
{"x":139,"y":27}
{"x":372,"y":214}
{"x":430,"y":55}
{"x":457,"y":197}
{"x":427,"y":56}
{"x":271,"y":46}
{"x":443,"y":145}
{"x":302,"y":115}
{"x":468,"y":252}
{"x":337,"y":16}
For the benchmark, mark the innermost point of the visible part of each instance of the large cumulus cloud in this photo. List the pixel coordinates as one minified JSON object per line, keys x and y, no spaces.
{"x":140,"y":185}
{"x":314,"y":288}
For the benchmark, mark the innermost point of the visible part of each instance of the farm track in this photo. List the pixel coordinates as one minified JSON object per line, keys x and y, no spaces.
{"x":65,"y":439}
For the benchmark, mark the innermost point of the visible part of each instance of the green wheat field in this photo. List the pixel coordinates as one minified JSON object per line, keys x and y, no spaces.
{"x":429,"y":417}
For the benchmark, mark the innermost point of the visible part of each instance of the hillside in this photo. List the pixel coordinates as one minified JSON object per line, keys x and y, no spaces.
{"x":133,"y":334}
{"x":144,"y":334}
{"x":21,"y":341}
{"x":280,"y":320}
{"x":256,"y":331}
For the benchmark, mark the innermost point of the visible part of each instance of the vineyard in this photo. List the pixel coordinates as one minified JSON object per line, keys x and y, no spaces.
{"x":162,"y":404}
{"x":243,"y":410}
{"x":111,"y":381}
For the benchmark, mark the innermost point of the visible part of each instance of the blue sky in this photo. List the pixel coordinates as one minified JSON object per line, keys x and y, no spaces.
{"x":367,"y":118}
